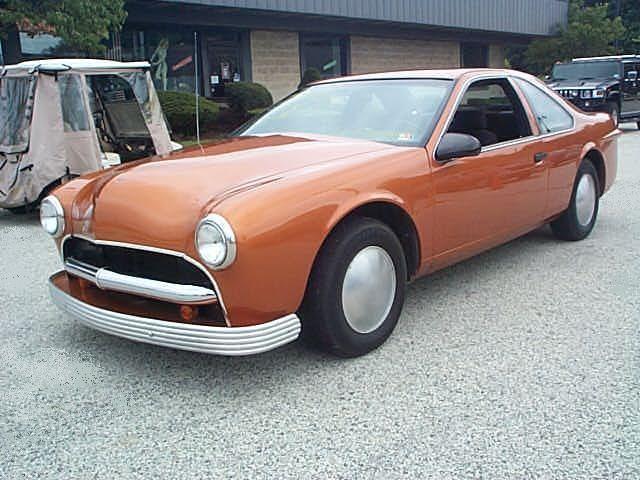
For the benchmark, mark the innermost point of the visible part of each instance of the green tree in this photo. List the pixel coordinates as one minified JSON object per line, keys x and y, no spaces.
{"x":589,"y":32}
{"x":82,"y":24}
{"x":630,"y":11}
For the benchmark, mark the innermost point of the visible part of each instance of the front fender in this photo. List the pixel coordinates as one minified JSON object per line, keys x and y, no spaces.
{"x":281,"y":227}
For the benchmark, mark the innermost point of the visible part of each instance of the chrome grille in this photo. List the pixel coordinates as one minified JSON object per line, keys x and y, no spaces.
{"x":135,"y":262}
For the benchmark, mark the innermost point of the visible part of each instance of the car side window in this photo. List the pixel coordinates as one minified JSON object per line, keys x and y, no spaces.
{"x":630,"y":72}
{"x":550,"y":115}
{"x":491,"y":111}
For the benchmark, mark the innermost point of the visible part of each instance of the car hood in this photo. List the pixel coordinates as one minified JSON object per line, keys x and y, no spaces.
{"x":166,"y":196}
{"x":581,"y":84}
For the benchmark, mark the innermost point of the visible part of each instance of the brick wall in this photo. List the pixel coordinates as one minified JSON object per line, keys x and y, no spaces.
{"x":372,"y":54}
{"x":496,"y":56}
{"x":275,"y":61}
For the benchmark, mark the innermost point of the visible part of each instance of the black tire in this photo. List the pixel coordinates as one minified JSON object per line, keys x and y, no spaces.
{"x":638,"y":125}
{"x":324,"y":324}
{"x":568,"y":226}
{"x":614,"y":110}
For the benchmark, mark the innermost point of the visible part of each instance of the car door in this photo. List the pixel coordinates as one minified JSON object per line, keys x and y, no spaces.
{"x":630,"y":89}
{"x":485,"y":200}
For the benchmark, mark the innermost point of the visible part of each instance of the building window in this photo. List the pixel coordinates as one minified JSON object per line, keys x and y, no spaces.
{"x":222,"y":61}
{"x":44,"y":46}
{"x":170,"y":52}
{"x":172,"y":56}
{"x":325,"y":53}
{"x":474,"y":55}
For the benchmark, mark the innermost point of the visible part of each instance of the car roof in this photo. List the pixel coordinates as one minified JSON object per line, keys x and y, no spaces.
{"x":448,"y":74}
{"x":79,"y":64}
{"x":619,"y":58}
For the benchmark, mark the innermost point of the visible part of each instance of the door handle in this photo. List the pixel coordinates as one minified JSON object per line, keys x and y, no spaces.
{"x":540,"y":156}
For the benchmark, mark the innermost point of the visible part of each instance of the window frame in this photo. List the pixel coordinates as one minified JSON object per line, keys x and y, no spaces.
{"x":517,"y":98}
{"x":460,"y":97}
{"x":525,"y":104}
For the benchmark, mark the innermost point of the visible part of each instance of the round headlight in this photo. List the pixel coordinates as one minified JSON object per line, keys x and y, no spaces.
{"x":52,"y":216}
{"x":216,"y":242}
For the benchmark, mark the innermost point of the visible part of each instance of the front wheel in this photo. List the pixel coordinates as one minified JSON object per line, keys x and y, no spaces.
{"x":356,"y":290}
{"x":577,"y":222}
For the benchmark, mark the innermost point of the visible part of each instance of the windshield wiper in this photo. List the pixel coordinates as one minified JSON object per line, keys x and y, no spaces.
{"x":586,"y":78}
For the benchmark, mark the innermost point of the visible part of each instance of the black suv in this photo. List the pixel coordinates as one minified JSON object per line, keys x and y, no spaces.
{"x":601,"y":84}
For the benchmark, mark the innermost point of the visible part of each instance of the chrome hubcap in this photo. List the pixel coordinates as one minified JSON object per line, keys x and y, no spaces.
{"x":586,"y":200}
{"x":369,"y":289}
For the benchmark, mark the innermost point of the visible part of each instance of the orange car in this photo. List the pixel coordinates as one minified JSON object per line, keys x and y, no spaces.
{"x":313,"y":218}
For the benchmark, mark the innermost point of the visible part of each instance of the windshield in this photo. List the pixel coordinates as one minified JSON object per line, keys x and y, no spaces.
{"x":125,"y":101}
{"x":16,"y":103}
{"x":584,"y":70}
{"x":400,"y":112}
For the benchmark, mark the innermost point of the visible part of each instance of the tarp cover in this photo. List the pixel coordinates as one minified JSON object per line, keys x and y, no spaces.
{"x":142,"y":86}
{"x":44,"y":161}
{"x":47,"y":131}
{"x":16,"y":103}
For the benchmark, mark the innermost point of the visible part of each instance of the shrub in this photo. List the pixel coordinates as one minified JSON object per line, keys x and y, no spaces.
{"x":310,"y":75}
{"x":244,"y":97}
{"x":180,"y":110}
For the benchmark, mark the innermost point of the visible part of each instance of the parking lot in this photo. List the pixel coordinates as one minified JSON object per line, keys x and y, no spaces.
{"x":521,"y":363}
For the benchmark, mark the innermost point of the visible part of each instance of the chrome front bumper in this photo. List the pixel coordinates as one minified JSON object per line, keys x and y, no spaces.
{"x":230,"y":341}
{"x":105,"y":279}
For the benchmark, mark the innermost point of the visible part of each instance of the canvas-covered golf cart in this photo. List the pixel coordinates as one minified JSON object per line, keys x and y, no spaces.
{"x":63,"y":118}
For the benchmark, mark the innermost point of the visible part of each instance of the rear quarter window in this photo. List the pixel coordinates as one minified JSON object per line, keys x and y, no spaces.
{"x":550,"y":115}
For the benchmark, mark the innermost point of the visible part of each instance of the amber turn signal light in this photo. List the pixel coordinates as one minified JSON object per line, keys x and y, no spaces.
{"x":188,"y":313}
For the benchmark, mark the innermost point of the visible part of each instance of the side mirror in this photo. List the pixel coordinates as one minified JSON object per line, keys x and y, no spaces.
{"x":547,"y":77}
{"x":457,"y":145}
{"x":616,"y":76}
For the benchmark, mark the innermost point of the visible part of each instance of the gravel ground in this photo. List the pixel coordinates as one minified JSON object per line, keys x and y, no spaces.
{"x":520,"y":363}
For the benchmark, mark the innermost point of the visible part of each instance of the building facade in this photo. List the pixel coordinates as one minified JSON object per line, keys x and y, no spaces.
{"x":205,"y":44}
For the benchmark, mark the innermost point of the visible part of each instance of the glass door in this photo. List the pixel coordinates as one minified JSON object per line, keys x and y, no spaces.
{"x":224,"y":61}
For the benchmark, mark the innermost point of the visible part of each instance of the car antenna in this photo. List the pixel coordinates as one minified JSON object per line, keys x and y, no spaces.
{"x":195,"y":63}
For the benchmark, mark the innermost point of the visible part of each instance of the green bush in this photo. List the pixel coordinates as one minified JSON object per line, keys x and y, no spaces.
{"x":244,"y":97}
{"x":310,"y":75}
{"x":180,"y":110}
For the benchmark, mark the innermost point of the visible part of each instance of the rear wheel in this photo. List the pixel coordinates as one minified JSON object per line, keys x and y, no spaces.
{"x":577,"y":222}
{"x":356,"y":290}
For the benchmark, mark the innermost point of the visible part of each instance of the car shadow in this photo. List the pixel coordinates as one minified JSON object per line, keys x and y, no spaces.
{"x":294,"y":360}
{"x":18,"y":219}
